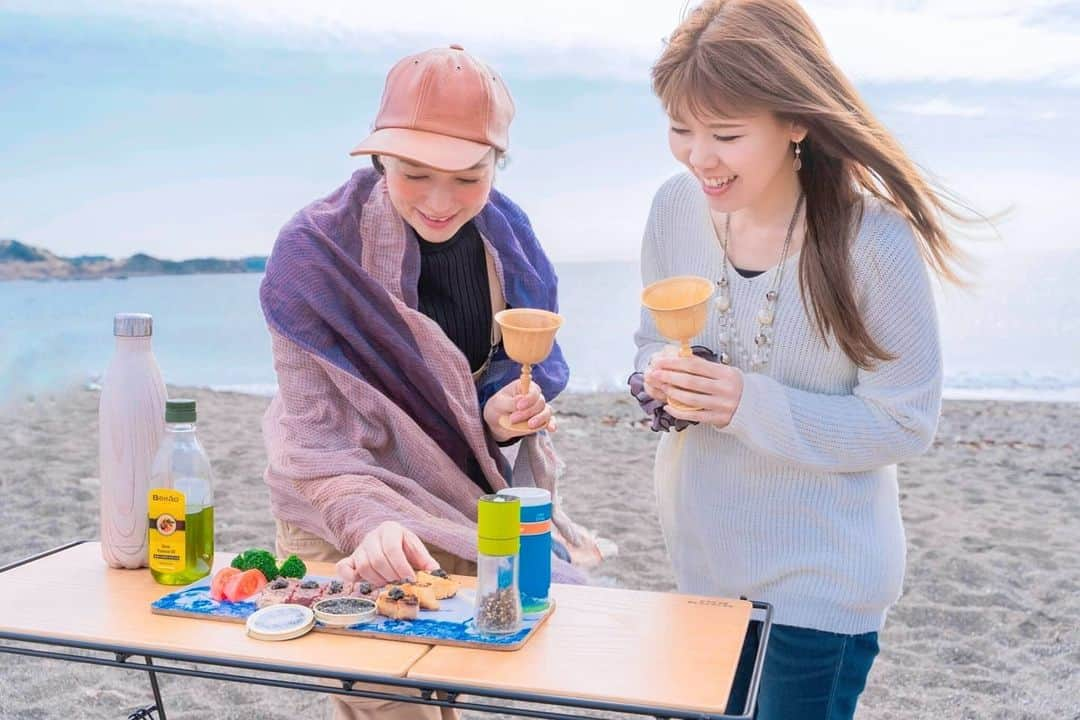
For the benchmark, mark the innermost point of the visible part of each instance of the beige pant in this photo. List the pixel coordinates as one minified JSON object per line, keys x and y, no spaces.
{"x":291,"y":540}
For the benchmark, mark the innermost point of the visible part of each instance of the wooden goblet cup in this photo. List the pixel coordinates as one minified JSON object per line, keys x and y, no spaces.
{"x":528,"y":336}
{"x":680,"y":307}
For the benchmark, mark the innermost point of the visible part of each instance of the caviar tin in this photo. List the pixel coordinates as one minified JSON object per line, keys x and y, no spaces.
{"x":343,"y":611}
{"x":280,"y":622}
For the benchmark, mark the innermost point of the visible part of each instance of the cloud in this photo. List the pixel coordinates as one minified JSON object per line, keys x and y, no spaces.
{"x":873,"y":40}
{"x":941,"y":106}
{"x":951,"y":40}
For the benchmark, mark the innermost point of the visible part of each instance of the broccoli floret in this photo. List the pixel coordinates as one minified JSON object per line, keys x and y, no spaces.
{"x":257,"y":559}
{"x":293,"y":567}
{"x":241,"y":562}
{"x":264,"y":562}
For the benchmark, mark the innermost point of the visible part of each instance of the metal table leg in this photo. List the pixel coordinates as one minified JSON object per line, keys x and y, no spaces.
{"x":148,"y":712}
{"x":157,"y":691}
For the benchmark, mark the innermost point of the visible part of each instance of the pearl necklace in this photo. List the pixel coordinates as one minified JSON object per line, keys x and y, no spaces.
{"x":763,"y":339}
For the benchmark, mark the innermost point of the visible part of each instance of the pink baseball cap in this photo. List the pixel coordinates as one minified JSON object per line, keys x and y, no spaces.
{"x":442,"y":108}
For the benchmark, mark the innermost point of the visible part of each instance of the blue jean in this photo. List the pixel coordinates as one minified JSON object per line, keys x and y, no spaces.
{"x":808,"y":674}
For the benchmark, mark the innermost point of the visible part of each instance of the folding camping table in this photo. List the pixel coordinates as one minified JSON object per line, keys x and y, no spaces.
{"x":603,"y":649}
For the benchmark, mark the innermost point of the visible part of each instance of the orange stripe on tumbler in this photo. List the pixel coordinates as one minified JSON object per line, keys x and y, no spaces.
{"x":536,"y":528}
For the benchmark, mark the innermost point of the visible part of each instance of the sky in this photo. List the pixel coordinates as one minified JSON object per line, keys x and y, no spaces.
{"x":188,"y":128}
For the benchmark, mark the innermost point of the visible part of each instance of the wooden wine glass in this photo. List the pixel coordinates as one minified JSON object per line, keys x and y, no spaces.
{"x":528,"y":336}
{"x":680,"y":307}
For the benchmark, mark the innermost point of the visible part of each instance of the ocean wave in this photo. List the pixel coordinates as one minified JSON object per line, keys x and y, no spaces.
{"x":959,"y":386}
{"x":260,"y":389}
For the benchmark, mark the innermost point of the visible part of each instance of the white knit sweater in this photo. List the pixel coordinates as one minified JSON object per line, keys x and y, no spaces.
{"x":796,"y":502}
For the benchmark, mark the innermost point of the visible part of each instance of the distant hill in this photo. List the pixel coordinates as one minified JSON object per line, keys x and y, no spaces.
{"x":19,"y":261}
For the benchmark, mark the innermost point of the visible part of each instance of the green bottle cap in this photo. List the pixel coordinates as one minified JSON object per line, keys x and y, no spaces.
{"x":498,"y":525}
{"x":179,"y":411}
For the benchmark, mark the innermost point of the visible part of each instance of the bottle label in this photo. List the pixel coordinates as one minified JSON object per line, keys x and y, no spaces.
{"x":167,"y":529}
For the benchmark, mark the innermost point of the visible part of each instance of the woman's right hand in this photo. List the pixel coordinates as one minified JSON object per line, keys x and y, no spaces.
{"x":388,"y":553}
{"x":529,"y":408}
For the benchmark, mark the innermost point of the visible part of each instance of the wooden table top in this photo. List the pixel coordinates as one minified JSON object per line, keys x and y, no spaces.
{"x":74,"y":595}
{"x":653,"y":649}
{"x":632,"y":647}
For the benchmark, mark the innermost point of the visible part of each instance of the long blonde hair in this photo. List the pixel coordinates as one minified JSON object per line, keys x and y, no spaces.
{"x":729,"y":56}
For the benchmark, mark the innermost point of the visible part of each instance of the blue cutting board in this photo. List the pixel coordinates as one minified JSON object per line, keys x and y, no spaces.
{"x":451,"y":624}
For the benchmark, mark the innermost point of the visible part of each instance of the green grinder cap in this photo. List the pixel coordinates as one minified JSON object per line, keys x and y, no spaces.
{"x":498,"y":525}
{"x":180,"y":411}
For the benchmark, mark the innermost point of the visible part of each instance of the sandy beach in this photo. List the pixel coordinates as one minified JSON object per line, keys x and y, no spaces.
{"x":988,"y":628}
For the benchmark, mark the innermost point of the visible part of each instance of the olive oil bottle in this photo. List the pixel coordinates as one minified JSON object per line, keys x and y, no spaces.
{"x":180,"y":502}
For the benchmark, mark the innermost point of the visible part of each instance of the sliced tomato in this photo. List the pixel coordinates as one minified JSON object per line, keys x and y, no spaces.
{"x":217,"y":585}
{"x":241,"y":587}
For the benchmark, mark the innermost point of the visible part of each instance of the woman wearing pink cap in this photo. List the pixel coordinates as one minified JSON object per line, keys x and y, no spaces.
{"x":380,"y":299}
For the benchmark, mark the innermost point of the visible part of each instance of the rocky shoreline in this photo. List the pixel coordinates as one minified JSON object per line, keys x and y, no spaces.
{"x":19,"y":261}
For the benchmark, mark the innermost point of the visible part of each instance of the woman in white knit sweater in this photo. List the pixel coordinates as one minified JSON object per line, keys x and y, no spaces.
{"x":819,"y":367}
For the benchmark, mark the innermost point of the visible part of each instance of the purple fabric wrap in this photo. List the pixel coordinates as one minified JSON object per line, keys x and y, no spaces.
{"x":377,"y":412}
{"x":317,"y":286}
{"x":662,"y":420}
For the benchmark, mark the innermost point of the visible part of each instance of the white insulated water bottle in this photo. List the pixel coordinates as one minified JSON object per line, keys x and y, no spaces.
{"x":131,"y":421}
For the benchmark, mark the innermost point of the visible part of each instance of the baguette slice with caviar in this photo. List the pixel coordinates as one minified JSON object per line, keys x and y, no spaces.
{"x":424,"y":593}
{"x":395,"y":604}
{"x":445,"y":586}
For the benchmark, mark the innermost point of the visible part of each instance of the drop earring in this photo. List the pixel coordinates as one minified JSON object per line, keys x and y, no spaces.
{"x":798,"y":157}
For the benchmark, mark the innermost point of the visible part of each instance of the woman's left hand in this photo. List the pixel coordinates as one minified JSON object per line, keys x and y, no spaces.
{"x":714,"y":387}
{"x":530,"y":407}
